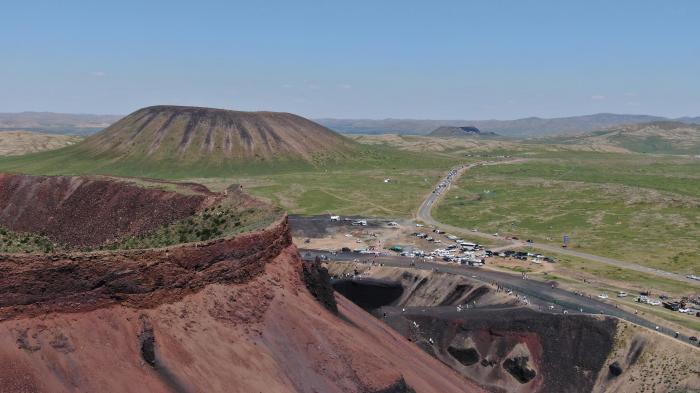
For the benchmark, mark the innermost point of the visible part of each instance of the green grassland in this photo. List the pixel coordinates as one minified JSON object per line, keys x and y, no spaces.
{"x":348,"y":185}
{"x":341,"y":191}
{"x":78,"y":160}
{"x":634,"y":208}
{"x":617,"y":278}
{"x":605,"y":278}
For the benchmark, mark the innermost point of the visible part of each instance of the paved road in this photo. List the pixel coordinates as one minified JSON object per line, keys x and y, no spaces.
{"x":424,"y":214}
{"x":540,"y":295}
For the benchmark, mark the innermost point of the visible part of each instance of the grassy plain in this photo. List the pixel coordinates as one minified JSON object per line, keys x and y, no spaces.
{"x":352,"y":186}
{"x":641,"y":209}
{"x":341,"y":191}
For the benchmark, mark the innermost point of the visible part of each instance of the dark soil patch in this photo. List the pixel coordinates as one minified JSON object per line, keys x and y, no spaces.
{"x":399,"y":386}
{"x":517,"y":367}
{"x":369,"y":294}
{"x":318,"y":282}
{"x":456,"y":294}
{"x":467,"y":356}
{"x":615,"y":369}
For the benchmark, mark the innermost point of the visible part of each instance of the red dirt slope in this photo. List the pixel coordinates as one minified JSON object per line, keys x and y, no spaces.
{"x":267,"y":335}
{"x":84,"y":211}
{"x":228,"y":315}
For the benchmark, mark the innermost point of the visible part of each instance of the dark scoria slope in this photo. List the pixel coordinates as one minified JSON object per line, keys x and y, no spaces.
{"x":192,"y":133}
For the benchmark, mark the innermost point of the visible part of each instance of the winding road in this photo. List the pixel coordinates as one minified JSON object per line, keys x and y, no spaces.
{"x":540,"y":295}
{"x":424,"y":214}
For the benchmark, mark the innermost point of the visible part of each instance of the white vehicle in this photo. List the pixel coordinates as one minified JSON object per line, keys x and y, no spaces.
{"x":393,"y":224}
{"x":360,"y":223}
{"x":335,"y":218}
{"x":622,"y":294}
{"x":654,"y":303}
{"x":419,"y":225}
{"x":603,"y":295}
{"x":683,"y":310}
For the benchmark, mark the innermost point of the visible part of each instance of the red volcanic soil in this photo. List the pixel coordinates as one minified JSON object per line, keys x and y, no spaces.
{"x":228,"y":315}
{"x":87,"y":212}
{"x":265,"y":335}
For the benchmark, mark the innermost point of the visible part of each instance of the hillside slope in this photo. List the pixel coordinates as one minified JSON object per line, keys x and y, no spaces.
{"x":215,"y":134}
{"x":526,"y":127}
{"x":175,"y":141}
{"x":238,"y":313}
{"x":656,"y":137}
{"x":452,"y":131}
{"x":56,"y":123}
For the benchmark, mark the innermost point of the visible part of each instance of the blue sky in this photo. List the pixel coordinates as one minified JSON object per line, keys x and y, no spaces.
{"x":354,"y":59}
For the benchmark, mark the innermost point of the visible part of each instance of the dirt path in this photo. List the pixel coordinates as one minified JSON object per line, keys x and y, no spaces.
{"x":425,"y":209}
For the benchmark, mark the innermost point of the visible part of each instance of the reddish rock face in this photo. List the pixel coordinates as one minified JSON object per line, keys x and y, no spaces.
{"x":229,"y":315}
{"x":33,"y":284}
{"x":87,"y":212}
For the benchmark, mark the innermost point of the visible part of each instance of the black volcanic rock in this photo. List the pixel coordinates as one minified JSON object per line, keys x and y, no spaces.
{"x":615,"y":369}
{"x":518,"y":368}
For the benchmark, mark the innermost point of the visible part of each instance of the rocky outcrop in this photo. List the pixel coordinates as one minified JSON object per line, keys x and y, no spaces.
{"x":238,"y":314}
{"x":318,"y":282}
{"x":517,"y":367}
{"x":35,"y":284}
{"x":615,"y":369}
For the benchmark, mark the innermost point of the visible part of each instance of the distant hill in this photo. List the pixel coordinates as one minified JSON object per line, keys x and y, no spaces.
{"x":527,"y":127}
{"x":23,"y":142}
{"x":451,"y":131}
{"x":85,"y":124}
{"x":215,"y":134}
{"x":175,"y":141}
{"x":56,"y":123}
{"x":660,"y":137}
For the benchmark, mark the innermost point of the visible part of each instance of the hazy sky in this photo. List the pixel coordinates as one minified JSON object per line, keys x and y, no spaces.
{"x":370,"y":59}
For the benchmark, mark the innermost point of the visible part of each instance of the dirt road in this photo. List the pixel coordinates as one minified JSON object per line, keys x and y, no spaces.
{"x":424,"y":214}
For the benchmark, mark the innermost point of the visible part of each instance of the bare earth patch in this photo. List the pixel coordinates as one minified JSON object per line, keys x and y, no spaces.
{"x":14,"y":143}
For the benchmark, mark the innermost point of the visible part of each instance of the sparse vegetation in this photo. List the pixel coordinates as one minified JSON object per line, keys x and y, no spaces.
{"x":21,"y":242}
{"x":208,"y":224}
{"x":633,"y":208}
{"x":211,"y":223}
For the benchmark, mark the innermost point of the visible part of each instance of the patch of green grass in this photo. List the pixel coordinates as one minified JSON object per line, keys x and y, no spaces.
{"x":77,"y":160}
{"x":352,"y":185}
{"x":341,"y":191}
{"x":643,"y":211}
{"x":642,"y":281}
{"x":21,"y":242}
{"x":211,"y":223}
